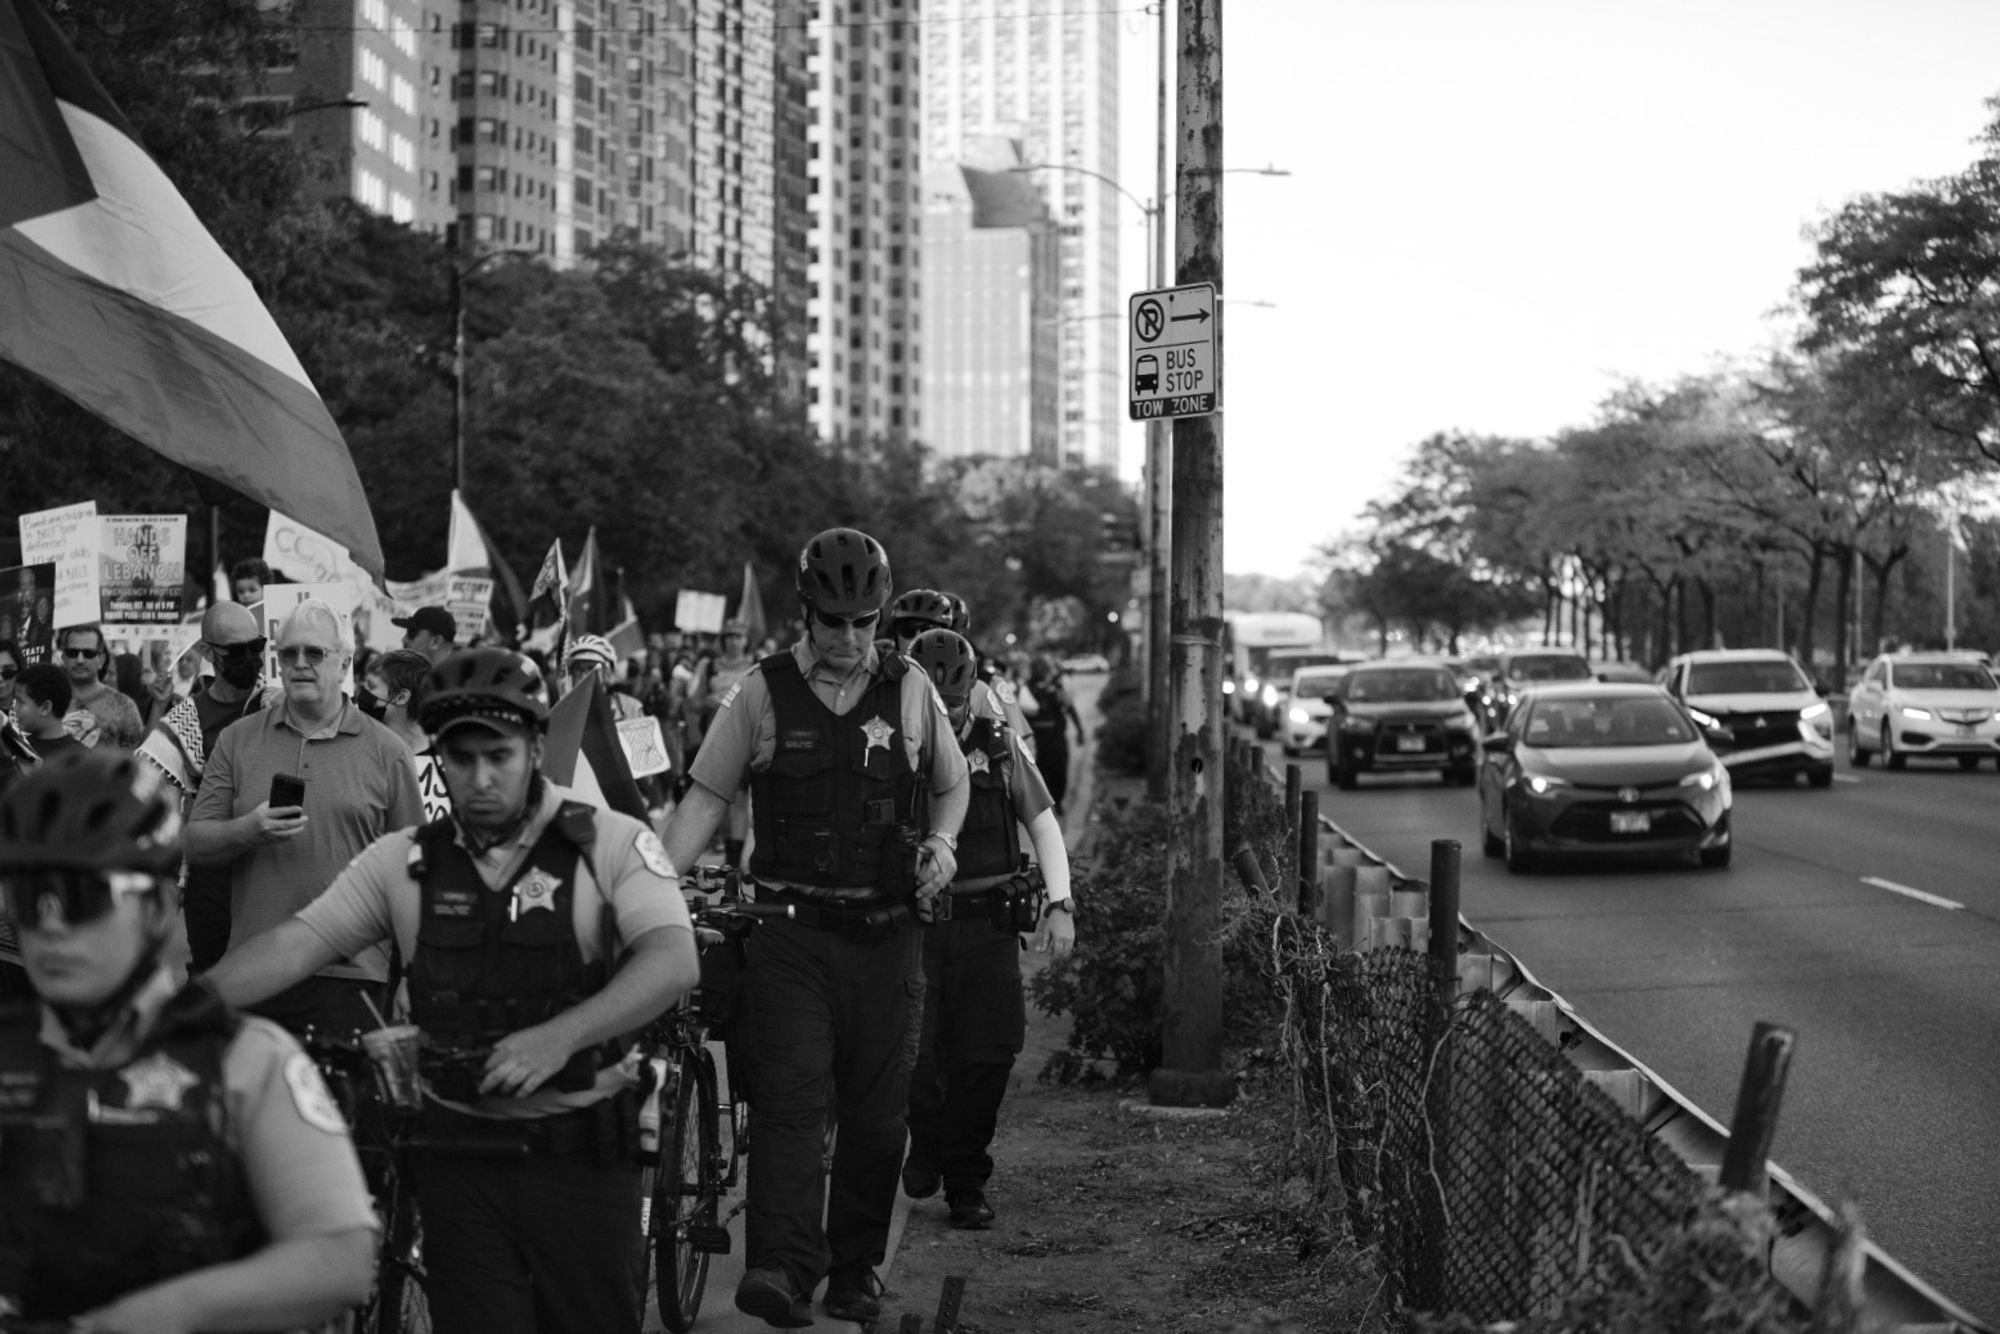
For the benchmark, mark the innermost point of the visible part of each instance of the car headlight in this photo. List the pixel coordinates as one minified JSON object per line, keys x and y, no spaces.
{"x":1270,"y":697}
{"x":1350,"y":723}
{"x":1542,"y":784}
{"x":1921,"y":715}
{"x":1705,"y":719}
{"x":1812,"y":711}
{"x":1251,"y":683}
{"x":1299,"y":716}
{"x":1228,"y":687}
{"x":1461,"y":722}
{"x":1707,"y":780}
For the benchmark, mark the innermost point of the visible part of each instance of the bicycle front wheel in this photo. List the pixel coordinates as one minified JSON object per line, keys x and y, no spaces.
{"x":688,"y":1194}
{"x":401,"y":1306}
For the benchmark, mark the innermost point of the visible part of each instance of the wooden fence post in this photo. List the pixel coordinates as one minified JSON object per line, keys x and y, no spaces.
{"x":1757,"y":1099}
{"x":1308,"y":853}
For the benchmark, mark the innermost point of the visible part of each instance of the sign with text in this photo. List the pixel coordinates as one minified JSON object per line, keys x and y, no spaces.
{"x":430,"y":787}
{"x":699,"y":613}
{"x":301,"y":556}
{"x":141,"y":567}
{"x":27,"y":610}
{"x":67,"y":538}
{"x":1176,"y":370}
{"x":468,"y":597}
{"x":645,"y":746}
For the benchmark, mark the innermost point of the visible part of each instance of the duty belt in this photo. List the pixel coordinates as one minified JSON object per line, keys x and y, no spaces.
{"x":599,"y":1131}
{"x":877,"y":916}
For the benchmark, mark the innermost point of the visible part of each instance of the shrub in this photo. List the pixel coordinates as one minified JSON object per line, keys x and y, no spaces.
{"x":1121,"y":737}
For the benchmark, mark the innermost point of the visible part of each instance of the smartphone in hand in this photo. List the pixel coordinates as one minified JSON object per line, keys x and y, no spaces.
{"x":287,"y":790}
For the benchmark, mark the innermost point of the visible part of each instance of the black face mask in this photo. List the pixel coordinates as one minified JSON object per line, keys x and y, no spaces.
{"x":369,"y":703}
{"x":240,"y":672}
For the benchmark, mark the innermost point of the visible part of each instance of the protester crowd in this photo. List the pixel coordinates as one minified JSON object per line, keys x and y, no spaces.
{"x":197,"y":874}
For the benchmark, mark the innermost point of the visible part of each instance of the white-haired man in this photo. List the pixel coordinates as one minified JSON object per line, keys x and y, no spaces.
{"x":359,"y":782}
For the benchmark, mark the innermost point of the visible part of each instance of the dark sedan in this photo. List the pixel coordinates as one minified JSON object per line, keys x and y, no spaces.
{"x":1602,"y":768}
{"x":1400,"y":716}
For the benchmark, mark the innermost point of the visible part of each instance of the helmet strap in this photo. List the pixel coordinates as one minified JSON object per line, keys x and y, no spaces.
{"x":86,"y":1024}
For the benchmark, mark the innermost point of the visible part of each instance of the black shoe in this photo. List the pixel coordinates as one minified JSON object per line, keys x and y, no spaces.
{"x":970,"y":1212}
{"x":920,"y":1180}
{"x":768,"y":1295}
{"x":852,"y":1294}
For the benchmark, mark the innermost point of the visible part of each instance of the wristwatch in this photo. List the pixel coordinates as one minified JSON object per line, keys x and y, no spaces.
{"x":949,"y":840}
{"x":1059,"y":905}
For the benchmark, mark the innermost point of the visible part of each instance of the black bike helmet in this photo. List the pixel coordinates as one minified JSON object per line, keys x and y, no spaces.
{"x":950,"y":663}
{"x":928,"y":607}
{"x":961,"y":615}
{"x":482,"y":683}
{"x":844,"y":572}
{"x":90,"y":810}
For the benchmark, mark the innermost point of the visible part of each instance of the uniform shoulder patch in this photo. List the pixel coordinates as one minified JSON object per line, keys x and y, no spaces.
{"x":729,"y":697}
{"x":647,"y":845}
{"x":1005,"y":691}
{"x":315,"y":1105}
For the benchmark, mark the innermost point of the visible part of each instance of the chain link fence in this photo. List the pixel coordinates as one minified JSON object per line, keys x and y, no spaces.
{"x":1493,"y":1181}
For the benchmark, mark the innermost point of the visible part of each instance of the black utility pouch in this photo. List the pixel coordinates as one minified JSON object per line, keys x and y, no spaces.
{"x":1025,"y":898}
{"x":900,"y":850}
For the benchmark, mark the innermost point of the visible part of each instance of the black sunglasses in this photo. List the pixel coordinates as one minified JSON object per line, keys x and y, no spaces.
{"x":861,"y":622}
{"x":82,"y":652}
{"x":9,"y":672}
{"x":83,"y":896}
{"x":249,"y":648}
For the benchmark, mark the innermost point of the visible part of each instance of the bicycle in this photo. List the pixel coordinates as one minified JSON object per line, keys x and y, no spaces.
{"x":682,"y":1188}
{"x":398,"y":1303}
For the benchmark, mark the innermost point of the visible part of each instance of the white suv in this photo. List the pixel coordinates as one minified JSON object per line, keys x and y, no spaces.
{"x":1764,"y":715}
{"x":1942,"y":704}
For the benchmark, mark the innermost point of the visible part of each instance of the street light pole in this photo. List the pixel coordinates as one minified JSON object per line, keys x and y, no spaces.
{"x":1159,"y":479}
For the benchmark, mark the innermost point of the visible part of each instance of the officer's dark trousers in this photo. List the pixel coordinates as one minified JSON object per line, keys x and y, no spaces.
{"x":832,"y":1017}
{"x":532,"y":1245}
{"x":974,"y":1022}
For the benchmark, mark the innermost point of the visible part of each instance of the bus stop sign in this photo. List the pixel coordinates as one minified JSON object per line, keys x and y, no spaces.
{"x":1175,"y":371}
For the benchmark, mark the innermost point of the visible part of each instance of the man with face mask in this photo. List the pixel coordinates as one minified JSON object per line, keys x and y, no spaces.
{"x":178,"y":746}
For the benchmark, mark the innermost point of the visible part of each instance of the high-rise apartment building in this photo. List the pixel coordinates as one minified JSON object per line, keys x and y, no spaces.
{"x":864,"y":95}
{"x":1046,"y":74}
{"x":731,"y":172}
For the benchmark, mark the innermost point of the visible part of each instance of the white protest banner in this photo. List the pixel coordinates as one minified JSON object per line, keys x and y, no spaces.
{"x":303,"y":556}
{"x":700,"y":613}
{"x":469,"y":598}
{"x":142,"y":566}
{"x":430,"y":787}
{"x":645,"y":746}
{"x":279,"y":602}
{"x":66,"y":537}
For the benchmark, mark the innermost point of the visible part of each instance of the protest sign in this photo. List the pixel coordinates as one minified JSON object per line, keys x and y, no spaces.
{"x":645,"y":746}
{"x":163,"y":650}
{"x":468,"y":598}
{"x":27,"y":610}
{"x":142,"y":565}
{"x":699,"y":613}
{"x":302,"y":556}
{"x":430,"y":787}
{"x":67,"y":538}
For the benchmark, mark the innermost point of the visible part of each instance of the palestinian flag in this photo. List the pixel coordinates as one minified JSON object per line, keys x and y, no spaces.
{"x":583,"y":752}
{"x":113,"y":292}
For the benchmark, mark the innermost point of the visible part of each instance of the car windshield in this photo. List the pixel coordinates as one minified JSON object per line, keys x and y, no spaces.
{"x":1941,"y":676}
{"x":1408,"y":685}
{"x":1315,"y":687}
{"x":1633,"y":720}
{"x":1767,"y":676}
{"x":1560,"y":667}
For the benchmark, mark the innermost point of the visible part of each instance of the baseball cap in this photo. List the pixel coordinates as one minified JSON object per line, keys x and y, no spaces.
{"x":434,"y":619}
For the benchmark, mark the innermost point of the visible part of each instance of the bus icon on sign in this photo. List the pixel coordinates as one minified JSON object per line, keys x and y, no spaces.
{"x":1146,"y":375}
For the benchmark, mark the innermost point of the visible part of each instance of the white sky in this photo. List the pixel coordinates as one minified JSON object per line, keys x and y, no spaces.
{"x":1499,"y":209}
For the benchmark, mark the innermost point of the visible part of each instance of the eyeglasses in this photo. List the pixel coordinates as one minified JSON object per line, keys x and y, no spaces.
{"x":82,"y":652}
{"x":861,"y":622}
{"x":249,"y":648}
{"x":312,"y":654}
{"x":82,"y":896}
{"x":9,"y":672}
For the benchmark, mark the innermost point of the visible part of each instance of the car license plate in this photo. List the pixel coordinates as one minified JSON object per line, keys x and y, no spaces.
{"x":1631,"y":822}
{"x":1966,"y":729}
{"x":1409,"y":742}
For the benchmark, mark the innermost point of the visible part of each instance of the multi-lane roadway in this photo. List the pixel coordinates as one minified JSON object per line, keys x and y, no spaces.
{"x":1866,"y":916}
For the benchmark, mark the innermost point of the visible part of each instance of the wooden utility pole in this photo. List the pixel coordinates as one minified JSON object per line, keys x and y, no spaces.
{"x":1191,"y":1072}
{"x":1159,"y":468}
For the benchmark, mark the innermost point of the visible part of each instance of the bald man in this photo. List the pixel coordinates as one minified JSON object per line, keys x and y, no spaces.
{"x":179,"y":745}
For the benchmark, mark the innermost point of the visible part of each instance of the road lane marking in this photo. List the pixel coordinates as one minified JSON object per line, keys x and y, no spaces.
{"x":1917,"y":894}
{"x":1845,"y":778}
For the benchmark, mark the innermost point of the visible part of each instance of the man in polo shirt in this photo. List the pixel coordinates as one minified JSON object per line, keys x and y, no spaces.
{"x":360,"y":783}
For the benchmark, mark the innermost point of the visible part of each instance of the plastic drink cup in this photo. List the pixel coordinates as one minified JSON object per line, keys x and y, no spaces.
{"x":394,"y":1051}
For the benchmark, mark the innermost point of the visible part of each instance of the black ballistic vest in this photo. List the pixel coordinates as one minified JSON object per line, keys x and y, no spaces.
{"x":114,"y":1180}
{"x":989,"y":842}
{"x":492,"y":962}
{"x":837,"y":785}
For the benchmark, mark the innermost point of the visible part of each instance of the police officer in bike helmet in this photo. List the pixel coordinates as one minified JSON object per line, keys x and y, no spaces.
{"x":165,"y":1163}
{"x":536,"y":933}
{"x":858,"y":791}
{"x":974,"y":1016}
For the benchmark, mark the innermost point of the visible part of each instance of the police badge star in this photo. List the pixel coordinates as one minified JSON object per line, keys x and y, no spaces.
{"x":977,"y":762}
{"x":536,"y":889}
{"x":877,"y":732}
{"x":157,"y":1081}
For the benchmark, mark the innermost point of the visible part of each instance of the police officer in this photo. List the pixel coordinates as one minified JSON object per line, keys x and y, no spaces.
{"x":536,"y":932}
{"x":974,"y":1014}
{"x":165,"y":1164}
{"x":923,"y":609}
{"x":858,"y":793}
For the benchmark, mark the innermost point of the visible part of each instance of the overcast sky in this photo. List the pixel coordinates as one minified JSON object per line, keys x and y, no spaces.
{"x":1501,"y":209}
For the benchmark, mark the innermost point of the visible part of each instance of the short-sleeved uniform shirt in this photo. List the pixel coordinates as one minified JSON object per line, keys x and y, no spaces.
{"x":995,"y":700}
{"x":376,"y":899}
{"x":361,"y":782}
{"x":745,"y":734}
{"x":298,"y":1160}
